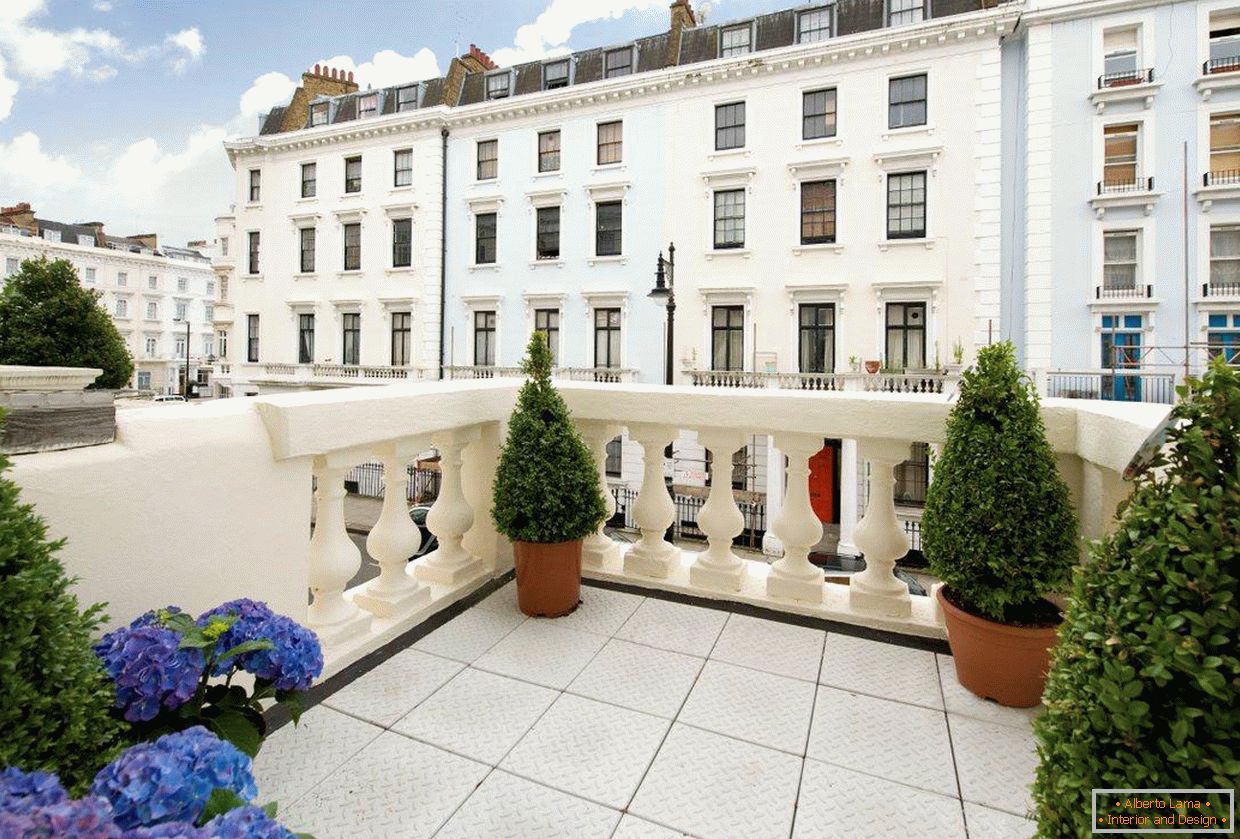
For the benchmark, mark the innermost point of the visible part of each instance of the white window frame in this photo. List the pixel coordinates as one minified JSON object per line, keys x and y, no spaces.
{"x":747,"y":28}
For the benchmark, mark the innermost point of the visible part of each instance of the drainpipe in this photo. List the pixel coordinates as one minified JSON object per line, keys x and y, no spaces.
{"x":443,"y":253}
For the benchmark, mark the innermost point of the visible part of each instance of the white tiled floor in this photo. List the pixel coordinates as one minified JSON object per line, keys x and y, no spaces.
{"x":639,"y":718}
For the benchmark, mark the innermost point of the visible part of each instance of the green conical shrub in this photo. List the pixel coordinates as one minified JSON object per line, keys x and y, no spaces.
{"x":1144,"y":690}
{"x":54,"y":696}
{"x":999,"y":528}
{"x":546,"y":486}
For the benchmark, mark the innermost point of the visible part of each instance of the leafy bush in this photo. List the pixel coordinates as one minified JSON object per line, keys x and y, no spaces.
{"x":998,"y":528}
{"x":54,"y":696}
{"x":47,"y":318}
{"x":1144,"y":690}
{"x":546,"y":486}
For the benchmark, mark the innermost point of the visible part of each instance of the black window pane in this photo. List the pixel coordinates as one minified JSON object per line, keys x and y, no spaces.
{"x":818,"y":114}
{"x":307,"y":249}
{"x":555,"y":75}
{"x":906,"y":205}
{"x":402,"y":243}
{"x":730,"y":219}
{"x":401,"y":338}
{"x":606,"y":337}
{"x":549,"y":151}
{"x":608,"y":229}
{"x":488,"y":159}
{"x":353,"y":174}
{"x":485,"y":232}
{"x":817,"y":212}
{"x":351,"y":334}
{"x":728,"y":338}
{"x":352,"y":247}
{"x":730,"y":126}
{"x":548,"y":235}
{"x":907,"y":101}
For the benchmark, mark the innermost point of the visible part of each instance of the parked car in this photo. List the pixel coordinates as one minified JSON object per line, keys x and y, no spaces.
{"x":429,"y":541}
{"x":169,"y":397}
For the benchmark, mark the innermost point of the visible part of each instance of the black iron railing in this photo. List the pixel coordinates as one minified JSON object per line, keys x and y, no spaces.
{"x":1125,"y":78}
{"x":1122,"y":292}
{"x":1111,"y":187}
{"x":1215,"y":289}
{"x":1226,"y":64}
{"x":1221,"y":177}
{"x":367,"y":479}
{"x":685,"y":525}
{"x":1118,"y":385}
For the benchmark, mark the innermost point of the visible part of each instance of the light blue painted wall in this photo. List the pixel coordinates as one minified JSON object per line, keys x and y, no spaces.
{"x":1014,"y":56}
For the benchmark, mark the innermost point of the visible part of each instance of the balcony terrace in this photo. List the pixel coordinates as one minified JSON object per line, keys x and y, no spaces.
{"x":697,"y":693}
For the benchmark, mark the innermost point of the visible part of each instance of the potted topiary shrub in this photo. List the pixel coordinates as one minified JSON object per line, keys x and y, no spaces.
{"x":999,"y":530}
{"x":546,"y":492}
{"x":1145,"y":686}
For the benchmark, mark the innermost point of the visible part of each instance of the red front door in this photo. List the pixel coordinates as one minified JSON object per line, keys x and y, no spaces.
{"x":824,"y":494}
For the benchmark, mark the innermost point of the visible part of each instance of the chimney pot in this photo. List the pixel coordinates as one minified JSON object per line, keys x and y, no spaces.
{"x":350,"y":75}
{"x":316,"y":70}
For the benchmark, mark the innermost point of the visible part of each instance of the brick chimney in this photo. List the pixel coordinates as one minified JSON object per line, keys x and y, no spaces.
{"x":474,"y":61}
{"x":20,"y":215}
{"x":682,"y":18}
{"x":147,"y":240}
{"x":478,"y":61}
{"x":315,"y":82}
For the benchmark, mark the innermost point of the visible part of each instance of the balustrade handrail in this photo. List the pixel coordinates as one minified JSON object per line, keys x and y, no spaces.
{"x":1225,"y":64}
{"x":1102,"y":292}
{"x":1221,"y":177}
{"x":1134,"y":184}
{"x":1220,"y":289}
{"x":1125,"y":78}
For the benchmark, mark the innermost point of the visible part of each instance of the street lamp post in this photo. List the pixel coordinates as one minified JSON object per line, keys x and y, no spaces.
{"x":185,"y":380}
{"x":664,"y":290}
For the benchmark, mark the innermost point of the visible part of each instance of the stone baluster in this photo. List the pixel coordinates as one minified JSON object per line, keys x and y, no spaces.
{"x":334,"y":559}
{"x":654,"y":511}
{"x":718,"y":566}
{"x":450,"y":517}
{"x":797,"y":527}
{"x":600,"y":549}
{"x":879,"y":536}
{"x":395,"y":538}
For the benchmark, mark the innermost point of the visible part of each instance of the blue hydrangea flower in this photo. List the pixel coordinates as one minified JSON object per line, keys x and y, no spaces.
{"x":295,"y":659}
{"x":170,"y":830}
{"x":151,"y":618}
{"x":171,"y":779}
{"x":89,"y":818}
{"x":22,"y":792}
{"x":149,"y":669}
{"x":251,"y":615}
{"x":246,"y":823}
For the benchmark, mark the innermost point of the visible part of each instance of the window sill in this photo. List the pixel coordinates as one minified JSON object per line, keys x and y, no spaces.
{"x":547,"y":263}
{"x":306,"y":199}
{"x":477,"y":184}
{"x":252,"y":277}
{"x":547,"y":175}
{"x":821,"y":247}
{"x":344,"y":275}
{"x":401,"y":190}
{"x":819,"y":143}
{"x":744,"y":253}
{"x":486,"y":266}
{"x":925,"y":242}
{"x":307,"y":275}
{"x":730,"y":154}
{"x":401,"y":269}
{"x":253,"y":205}
{"x":908,"y":131}
{"x":603,"y":168}
{"x":614,"y":259}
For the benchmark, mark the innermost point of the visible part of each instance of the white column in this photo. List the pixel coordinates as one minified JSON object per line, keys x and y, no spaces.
{"x":599,"y":549}
{"x":797,"y":527}
{"x":654,"y":511}
{"x":334,"y":559}
{"x":395,"y":538}
{"x":718,"y":566}
{"x":880,"y":536}
{"x":848,"y":498}
{"x":771,"y":546}
{"x":450,"y":517}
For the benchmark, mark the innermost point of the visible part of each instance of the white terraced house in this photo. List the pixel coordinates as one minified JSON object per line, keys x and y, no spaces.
{"x":831,"y":199}
{"x":152,"y":291}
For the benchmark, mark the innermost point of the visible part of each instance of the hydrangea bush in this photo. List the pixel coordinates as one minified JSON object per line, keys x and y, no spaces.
{"x":173,"y":672}
{"x":186,"y":785}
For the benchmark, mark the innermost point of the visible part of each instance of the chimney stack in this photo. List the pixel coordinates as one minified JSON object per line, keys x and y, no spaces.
{"x":682,"y":18}
{"x":20,"y":215}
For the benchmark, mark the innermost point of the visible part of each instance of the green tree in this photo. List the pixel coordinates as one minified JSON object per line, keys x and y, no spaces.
{"x":546,"y":486}
{"x":55,"y":699}
{"x":999,"y":528}
{"x":47,"y":318}
{"x":1144,"y":690}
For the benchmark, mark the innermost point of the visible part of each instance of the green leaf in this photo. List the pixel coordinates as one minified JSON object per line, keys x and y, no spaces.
{"x":220,"y":802}
{"x":238,"y":729}
{"x":245,"y":647}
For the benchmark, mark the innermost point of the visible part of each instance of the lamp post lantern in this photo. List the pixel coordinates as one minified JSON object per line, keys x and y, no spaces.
{"x":664,"y":290}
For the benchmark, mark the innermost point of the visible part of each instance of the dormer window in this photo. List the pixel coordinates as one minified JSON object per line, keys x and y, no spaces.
{"x":736,"y":40}
{"x":368,"y":106}
{"x":498,"y":86}
{"x":407,"y":98}
{"x":555,"y":75}
{"x":318,"y":114}
{"x":618,"y":63}
{"x":813,"y":26}
{"x":902,"y":12}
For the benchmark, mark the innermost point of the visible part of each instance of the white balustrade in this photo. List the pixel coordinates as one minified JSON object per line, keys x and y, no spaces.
{"x":334,"y":559}
{"x":718,"y":566}
{"x":395,"y":538}
{"x":654,"y":511}
{"x":798,"y":528}
{"x":451,"y":516}
{"x":599,"y":549}
{"x":880,"y":537}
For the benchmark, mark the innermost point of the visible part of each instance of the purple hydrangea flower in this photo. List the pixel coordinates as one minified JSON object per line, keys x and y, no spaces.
{"x":89,"y":818}
{"x":21,"y":792}
{"x":251,"y":615}
{"x":246,"y":823}
{"x":169,"y":830}
{"x":295,"y":659}
{"x":171,"y":779}
{"x":149,"y":669}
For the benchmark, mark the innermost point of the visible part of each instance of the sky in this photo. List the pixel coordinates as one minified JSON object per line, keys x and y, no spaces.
{"x":116,"y":110}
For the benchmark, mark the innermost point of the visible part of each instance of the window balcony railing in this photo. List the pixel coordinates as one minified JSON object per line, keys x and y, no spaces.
{"x":254,"y":462}
{"x":1221,"y":177}
{"x":337,"y":373}
{"x":902,"y":382}
{"x":1121,"y":186}
{"x":1117,"y":385}
{"x":1225,"y":64}
{"x":606,"y":375}
{"x":1220,"y":289}
{"x":1123,"y":292}
{"x":1125,"y":78}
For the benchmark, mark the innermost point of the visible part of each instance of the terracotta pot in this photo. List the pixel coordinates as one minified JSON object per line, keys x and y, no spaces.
{"x":996,"y":660}
{"x":873,"y":367}
{"x":548,"y":578}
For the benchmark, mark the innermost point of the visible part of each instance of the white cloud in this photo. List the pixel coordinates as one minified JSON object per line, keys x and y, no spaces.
{"x":145,"y":174}
{"x":25,"y":165}
{"x":265,"y":93}
{"x":102,"y":6}
{"x":188,"y":42}
{"x":388,"y":67}
{"x":8,"y":92}
{"x":550,"y":31}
